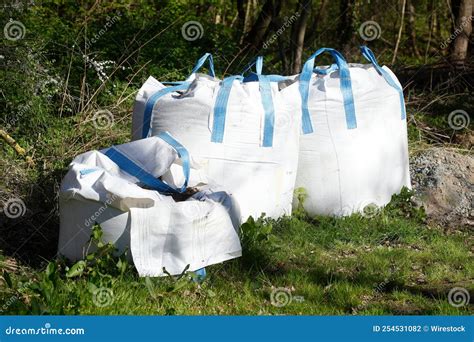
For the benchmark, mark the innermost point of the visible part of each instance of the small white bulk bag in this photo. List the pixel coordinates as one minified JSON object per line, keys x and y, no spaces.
{"x":120,"y":189}
{"x":244,"y":135}
{"x":354,"y":151}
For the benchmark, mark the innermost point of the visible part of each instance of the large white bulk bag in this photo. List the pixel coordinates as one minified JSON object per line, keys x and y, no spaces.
{"x":119,"y":188}
{"x":354,"y":152}
{"x":245,"y":135}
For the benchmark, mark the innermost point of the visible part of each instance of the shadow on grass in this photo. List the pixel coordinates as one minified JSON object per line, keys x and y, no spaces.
{"x":32,"y":238}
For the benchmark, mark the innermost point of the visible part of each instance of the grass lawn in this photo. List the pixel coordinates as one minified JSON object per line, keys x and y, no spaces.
{"x":385,"y":262}
{"x":388,"y":262}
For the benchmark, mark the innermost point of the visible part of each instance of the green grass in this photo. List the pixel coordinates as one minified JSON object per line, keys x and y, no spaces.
{"x":392,"y":263}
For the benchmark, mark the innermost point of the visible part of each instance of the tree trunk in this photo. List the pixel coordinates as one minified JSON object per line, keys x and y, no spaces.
{"x":311,"y":36}
{"x":400,"y":31}
{"x":434,"y":22}
{"x":346,"y":25}
{"x":298,"y":34}
{"x":283,"y":56}
{"x":240,"y":10}
{"x":247,"y":16}
{"x":471,"y":43}
{"x":239,"y":19}
{"x":412,"y":29}
{"x":431,"y":27}
{"x":257,"y":33}
{"x":219,"y":13}
{"x":246,"y":22}
{"x":462,"y":10}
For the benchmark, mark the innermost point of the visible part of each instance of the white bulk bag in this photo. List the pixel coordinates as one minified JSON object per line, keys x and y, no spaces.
{"x":355,"y":149}
{"x":103,"y":187}
{"x":245,"y":135}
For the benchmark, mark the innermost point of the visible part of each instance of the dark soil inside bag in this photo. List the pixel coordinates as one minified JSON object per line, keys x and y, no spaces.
{"x":184,"y":195}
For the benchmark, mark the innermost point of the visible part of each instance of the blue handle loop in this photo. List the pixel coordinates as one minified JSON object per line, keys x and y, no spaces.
{"x":346,"y":88}
{"x":201,"y":274}
{"x":267,"y":102}
{"x":173,"y":82}
{"x":369,"y":55}
{"x":150,"y":104}
{"x":127,"y":165}
{"x":220,"y":108}
{"x":266,"y":95}
{"x":183,"y":154}
{"x":326,"y":71}
{"x":258,"y":62}
{"x":206,"y":57}
{"x":85,"y":172}
{"x":259,"y":65}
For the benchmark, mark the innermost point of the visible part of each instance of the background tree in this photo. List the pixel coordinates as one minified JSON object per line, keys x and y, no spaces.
{"x":462,"y":12}
{"x":298,"y":34}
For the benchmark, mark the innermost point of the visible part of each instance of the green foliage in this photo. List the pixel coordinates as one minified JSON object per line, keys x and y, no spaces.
{"x":257,"y":241}
{"x":53,"y":84}
{"x":402,"y":205}
{"x":391,"y":263}
{"x":255,"y":232}
{"x":7,"y":278}
{"x":102,"y":264}
{"x":300,"y":195}
{"x":102,"y":268}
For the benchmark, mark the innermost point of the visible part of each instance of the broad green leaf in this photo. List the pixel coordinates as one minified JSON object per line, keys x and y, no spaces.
{"x":77,"y":269}
{"x":7,"y":278}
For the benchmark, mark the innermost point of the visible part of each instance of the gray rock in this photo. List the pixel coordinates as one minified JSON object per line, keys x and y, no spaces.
{"x":443,"y":183}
